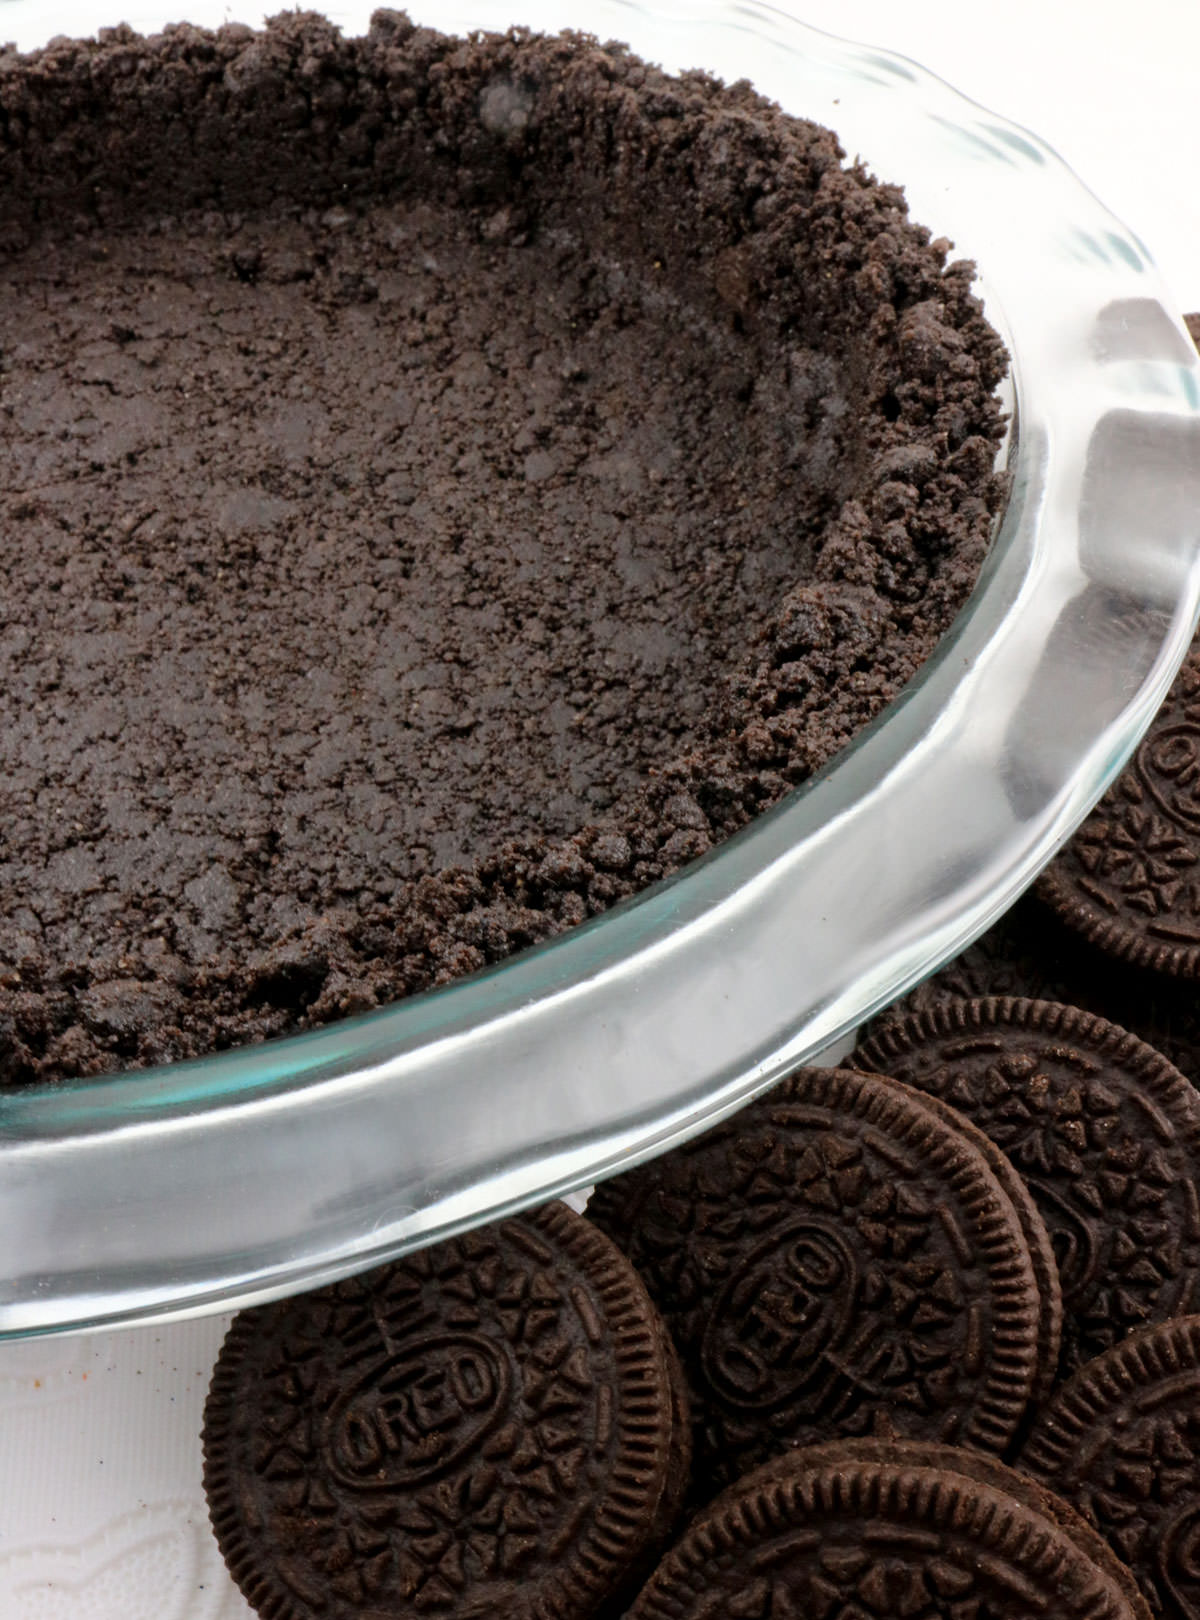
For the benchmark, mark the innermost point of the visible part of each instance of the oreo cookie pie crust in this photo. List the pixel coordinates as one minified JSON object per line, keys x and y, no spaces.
{"x":448,"y":486}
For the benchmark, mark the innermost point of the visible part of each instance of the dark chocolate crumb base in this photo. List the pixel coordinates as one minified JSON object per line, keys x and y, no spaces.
{"x":151,"y":912}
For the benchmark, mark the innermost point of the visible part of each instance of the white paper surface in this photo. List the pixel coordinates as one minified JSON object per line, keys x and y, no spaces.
{"x":101,"y":1510}
{"x":102,"y":1513}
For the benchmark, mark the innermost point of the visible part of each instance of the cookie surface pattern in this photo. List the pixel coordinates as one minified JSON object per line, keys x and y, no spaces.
{"x":1105,"y":1132}
{"x":1121,"y":1441}
{"x":1009,"y":1481}
{"x":483,"y":1428}
{"x":847,"y":1537}
{"x":1129,"y":880}
{"x":1037,"y":1239}
{"x":836,"y":1261}
{"x":1031,"y":953}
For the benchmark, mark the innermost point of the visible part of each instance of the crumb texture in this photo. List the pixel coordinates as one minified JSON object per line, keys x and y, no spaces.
{"x":447,"y":486}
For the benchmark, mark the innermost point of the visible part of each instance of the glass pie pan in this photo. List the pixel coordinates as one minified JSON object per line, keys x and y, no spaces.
{"x":260,"y":1171}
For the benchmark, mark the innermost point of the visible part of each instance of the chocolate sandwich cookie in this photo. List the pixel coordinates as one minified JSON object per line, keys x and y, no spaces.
{"x":1121,"y":1441}
{"x":1032,"y":954}
{"x":1037,"y":1241}
{"x":1105,"y":1132}
{"x":885,"y":1530}
{"x":986,"y":1470}
{"x":1028,"y":955}
{"x":1129,"y":880}
{"x":489,"y":1427}
{"x":836,"y":1261}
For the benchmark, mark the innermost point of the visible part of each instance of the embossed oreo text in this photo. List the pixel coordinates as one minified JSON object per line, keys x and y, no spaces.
{"x":787,"y":1305}
{"x":417,"y":1412}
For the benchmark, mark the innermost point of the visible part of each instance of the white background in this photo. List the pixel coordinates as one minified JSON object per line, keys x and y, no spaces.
{"x":1113,"y":85}
{"x":101,"y":1514}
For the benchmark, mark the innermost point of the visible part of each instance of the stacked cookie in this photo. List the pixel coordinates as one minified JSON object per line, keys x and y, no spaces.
{"x":883,"y":1281}
{"x":842,"y":1260}
{"x":919,"y":1337}
{"x":494,"y":1426}
{"x":821,"y":1333}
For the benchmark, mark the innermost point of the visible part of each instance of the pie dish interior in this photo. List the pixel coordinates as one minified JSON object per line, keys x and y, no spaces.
{"x":261,"y":1171}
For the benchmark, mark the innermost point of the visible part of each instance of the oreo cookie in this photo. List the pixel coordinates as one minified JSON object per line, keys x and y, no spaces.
{"x":836,"y":1261}
{"x":1105,"y":1132}
{"x":1028,"y":955}
{"x":1121,"y":1441}
{"x":888,"y":1530}
{"x":492,"y":1426}
{"x":1129,"y":880}
{"x":985,"y":1470}
{"x":1037,"y":1241}
{"x":1031,"y":953}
